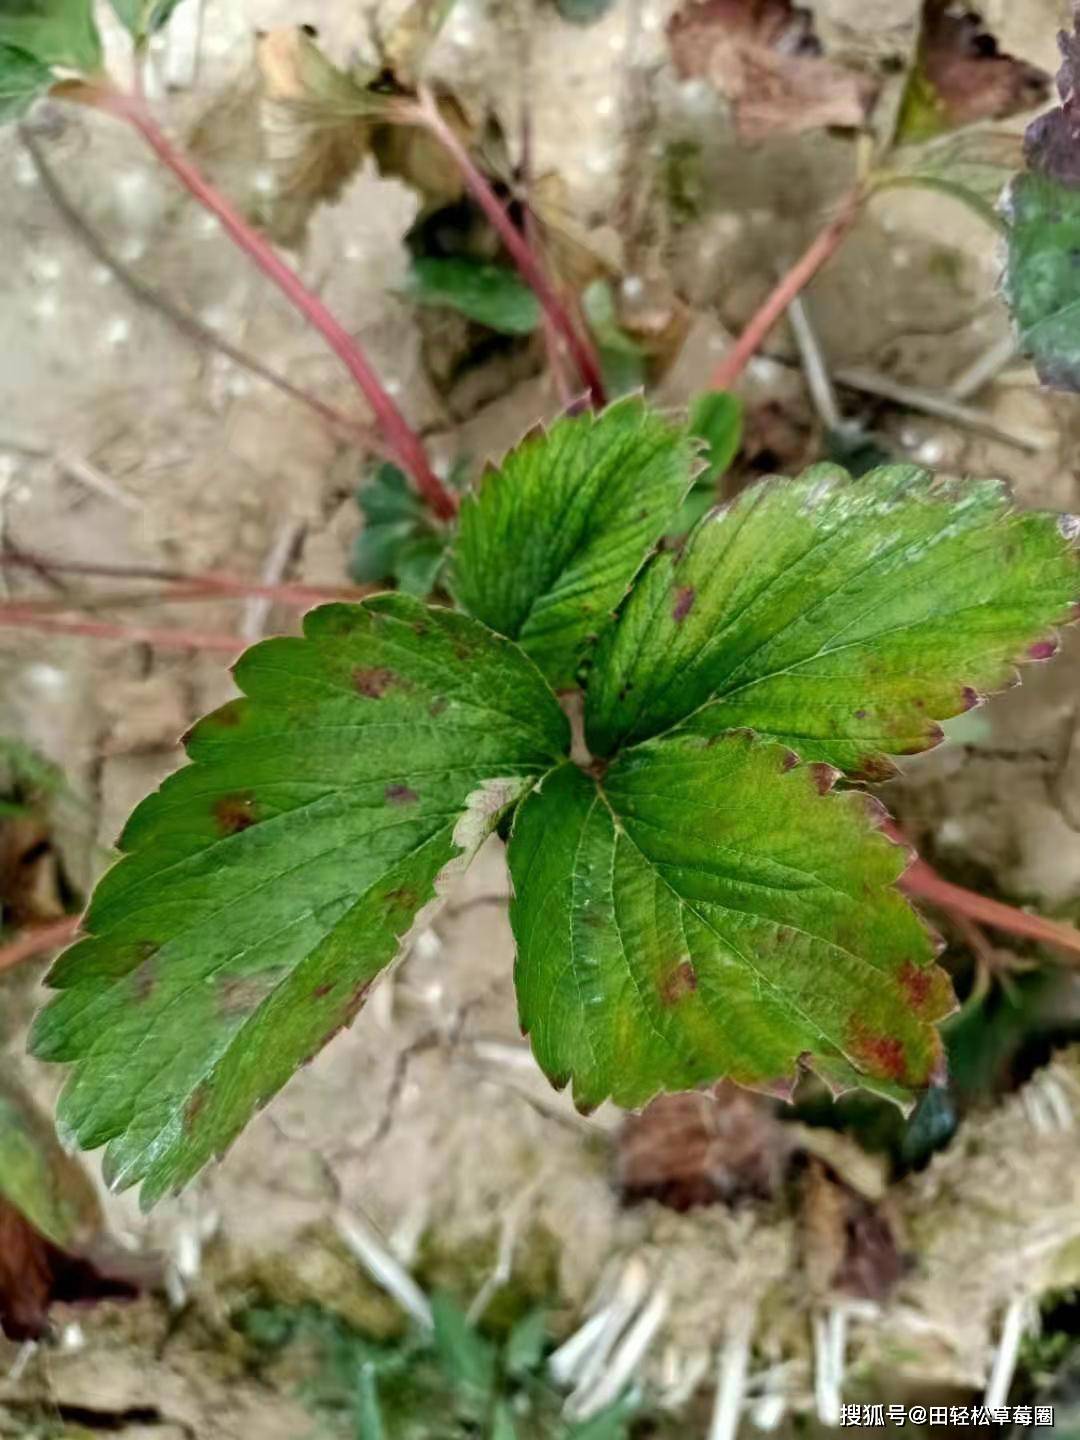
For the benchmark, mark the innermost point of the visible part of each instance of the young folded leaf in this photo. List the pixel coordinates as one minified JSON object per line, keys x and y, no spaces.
{"x":265,"y":886}
{"x":842,"y":617}
{"x":550,"y":542}
{"x":704,"y":910}
{"x":143,"y":18}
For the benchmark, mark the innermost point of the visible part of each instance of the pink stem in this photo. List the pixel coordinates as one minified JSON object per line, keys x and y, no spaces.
{"x":25,"y":617}
{"x":36,"y":941}
{"x":923,"y":881}
{"x":399,"y":434}
{"x":532,"y":272}
{"x":821,"y":250}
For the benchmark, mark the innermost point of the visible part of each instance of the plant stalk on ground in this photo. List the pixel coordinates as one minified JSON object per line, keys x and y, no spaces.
{"x":400,"y":436}
{"x":817,"y":255}
{"x":427,"y":114}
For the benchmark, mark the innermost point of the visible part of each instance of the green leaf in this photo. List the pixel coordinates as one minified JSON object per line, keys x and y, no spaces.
{"x":368,"y":1410}
{"x":973,"y":167}
{"x":1042,"y":275}
{"x":494,"y":295}
{"x":44,"y":1184}
{"x":613,"y":1423}
{"x":583,"y":12}
{"x":265,"y":886}
{"x":526,"y":1344}
{"x":502,"y":1426}
{"x":143,"y":18}
{"x":467,"y":1358}
{"x":842,"y":617}
{"x":53,"y":32}
{"x":550,"y":542}
{"x":716,"y":419}
{"x":622,"y":360}
{"x":22,"y":80}
{"x":399,"y":541}
{"x":704,"y":910}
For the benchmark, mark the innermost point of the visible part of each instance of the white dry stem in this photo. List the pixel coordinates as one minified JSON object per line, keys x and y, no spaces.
{"x":581,"y":1358}
{"x":257,"y":608}
{"x":688,"y":1372}
{"x":984,"y":368}
{"x":367,"y":1246}
{"x":929,"y":402}
{"x":509,"y":1230}
{"x":1017,"y":1320}
{"x":733,"y":1364}
{"x":23,"y":1356}
{"x":624,"y":1363}
{"x":830,"y":1344}
{"x":814,"y":365}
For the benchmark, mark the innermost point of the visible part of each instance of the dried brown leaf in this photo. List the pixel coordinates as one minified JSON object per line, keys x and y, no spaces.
{"x":971,"y":78}
{"x":764,"y":57}
{"x":36,"y":1274}
{"x":1052,"y":142}
{"x":316,"y":126}
{"x":849,"y":1243}
{"x":705,"y":1146}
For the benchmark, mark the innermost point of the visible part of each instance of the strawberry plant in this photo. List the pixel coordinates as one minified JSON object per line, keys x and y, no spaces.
{"x":694,"y":896}
{"x":701,"y":888}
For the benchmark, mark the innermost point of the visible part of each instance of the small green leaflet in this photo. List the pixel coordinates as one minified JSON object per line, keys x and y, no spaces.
{"x":400,"y":541}
{"x":494,"y":295}
{"x":716,"y":419}
{"x":44,"y":1184}
{"x":841,"y":617}
{"x":1042,"y":276}
{"x":143,"y":18}
{"x":52,"y":32}
{"x":22,"y":80}
{"x":704,"y":909}
{"x":266,"y":885}
{"x":550,"y":542}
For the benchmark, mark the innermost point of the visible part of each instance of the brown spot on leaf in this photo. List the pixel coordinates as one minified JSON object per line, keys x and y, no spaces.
{"x":971,"y":699}
{"x":1042,"y":650}
{"x":196,"y":1104}
{"x":403,"y":898}
{"x":873,"y":768}
{"x":917,"y":983}
{"x":400,"y":795}
{"x":437,"y":706}
{"x":321,"y":991}
{"x":243,"y":994}
{"x":822,"y":776}
{"x":881,"y":1055}
{"x":374,"y":681}
{"x":233,"y":813}
{"x":684,"y":603}
{"x":144,"y":983}
{"x":681,"y":982}
{"x":860,"y":714}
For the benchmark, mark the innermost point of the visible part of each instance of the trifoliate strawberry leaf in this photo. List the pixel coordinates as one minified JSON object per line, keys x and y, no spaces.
{"x":22,"y":80}
{"x":143,"y":18}
{"x":704,"y":910}
{"x":549,"y":543}
{"x":842,"y":617}
{"x":53,"y":32}
{"x":265,"y":886}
